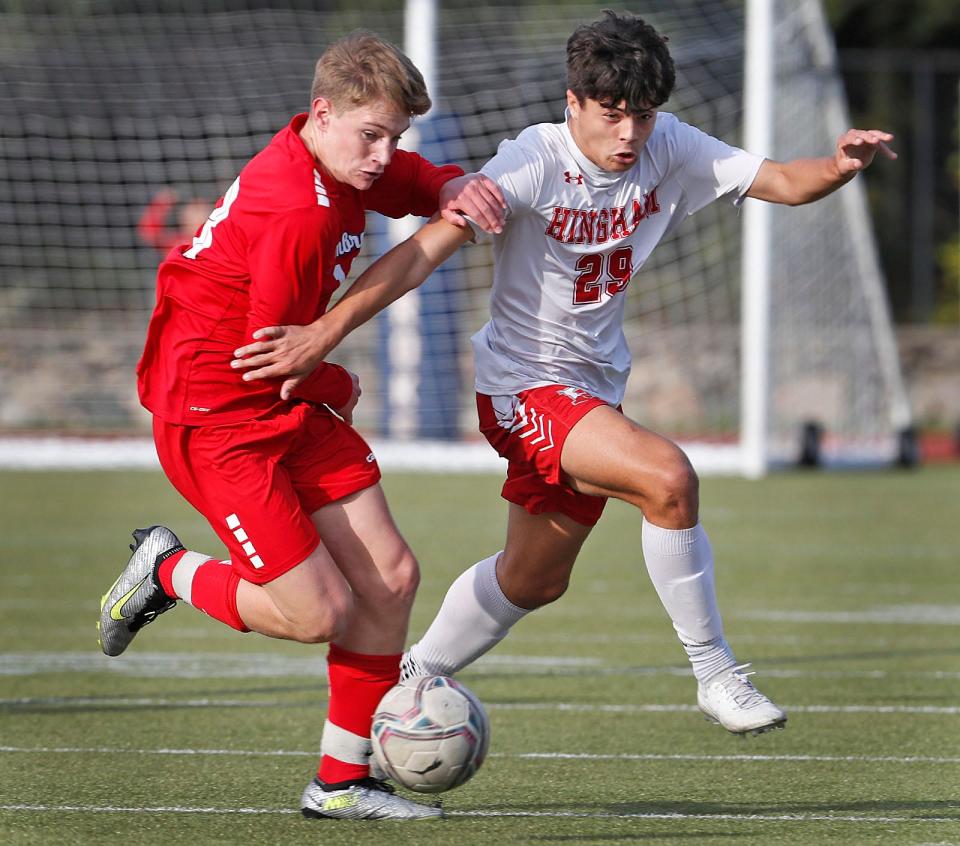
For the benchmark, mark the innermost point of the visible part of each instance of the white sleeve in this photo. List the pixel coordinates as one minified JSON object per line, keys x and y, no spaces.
{"x":710,"y":169}
{"x":518,"y":170}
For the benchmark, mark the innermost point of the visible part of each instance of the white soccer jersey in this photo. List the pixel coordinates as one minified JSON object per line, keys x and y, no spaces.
{"x":574,"y":237}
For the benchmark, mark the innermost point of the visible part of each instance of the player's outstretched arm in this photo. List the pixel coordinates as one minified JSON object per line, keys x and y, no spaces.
{"x":801,"y":181}
{"x":293,"y":352}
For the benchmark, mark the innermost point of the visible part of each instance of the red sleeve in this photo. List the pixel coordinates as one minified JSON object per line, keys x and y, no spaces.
{"x":289,"y":261}
{"x":329,"y":384}
{"x":409,"y":185}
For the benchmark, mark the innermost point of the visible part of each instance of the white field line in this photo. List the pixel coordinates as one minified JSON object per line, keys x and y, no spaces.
{"x":535,"y":756}
{"x":572,"y":707}
{"x":146,"y":702}
{"x":114,"y":809}
{"x":949,"y":710}
{"x":212,"y":665}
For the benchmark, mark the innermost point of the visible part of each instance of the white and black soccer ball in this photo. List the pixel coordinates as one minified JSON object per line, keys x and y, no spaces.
{"x":430,"y":734}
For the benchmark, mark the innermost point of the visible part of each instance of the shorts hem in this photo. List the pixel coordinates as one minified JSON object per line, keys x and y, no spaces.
{"x":313,"y":504}
{"x":538,"y":506}
{"x":251,"y":574}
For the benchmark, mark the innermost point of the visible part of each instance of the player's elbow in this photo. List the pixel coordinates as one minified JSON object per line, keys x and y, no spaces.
{"x":794,"y":200}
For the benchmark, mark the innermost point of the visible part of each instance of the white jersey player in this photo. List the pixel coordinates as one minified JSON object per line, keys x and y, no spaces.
{"x":577,"y":234}
{"x":587,"y":202}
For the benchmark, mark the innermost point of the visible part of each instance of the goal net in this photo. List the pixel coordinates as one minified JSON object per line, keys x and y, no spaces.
{"x":118,"y":114}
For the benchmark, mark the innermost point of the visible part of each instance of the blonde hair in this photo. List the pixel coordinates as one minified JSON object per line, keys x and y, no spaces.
{"x":361,"y":68}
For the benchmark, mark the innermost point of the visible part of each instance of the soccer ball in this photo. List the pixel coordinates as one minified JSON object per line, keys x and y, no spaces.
{"x":430,"y":734}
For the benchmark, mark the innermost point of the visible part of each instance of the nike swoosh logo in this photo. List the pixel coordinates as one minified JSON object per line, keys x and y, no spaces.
{"x":115,"y":612}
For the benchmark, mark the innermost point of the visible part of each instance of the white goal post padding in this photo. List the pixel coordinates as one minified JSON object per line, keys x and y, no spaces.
{"x":102,"y":108}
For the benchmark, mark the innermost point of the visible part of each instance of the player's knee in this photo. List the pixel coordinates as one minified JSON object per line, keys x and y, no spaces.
{"x":677,"y":491}
{"x":325,"y":623}
{"x":395,"y":587}
{"x":402,"y":581}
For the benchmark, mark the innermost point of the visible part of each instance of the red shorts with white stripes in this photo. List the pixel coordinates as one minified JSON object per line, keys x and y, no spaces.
{"x":529,"y":430}
{"x":257,"y":482}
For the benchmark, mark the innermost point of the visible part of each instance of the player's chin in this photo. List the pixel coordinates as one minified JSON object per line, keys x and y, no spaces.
{"x":364,"y":180}
{"x":620,"y":163}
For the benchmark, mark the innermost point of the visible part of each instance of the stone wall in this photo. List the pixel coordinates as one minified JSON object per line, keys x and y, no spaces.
{"x":79,"y":377}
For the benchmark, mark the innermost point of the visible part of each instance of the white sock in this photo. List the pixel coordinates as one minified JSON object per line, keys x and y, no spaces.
{"x":474,"y":617}
{"x":680,"y":564}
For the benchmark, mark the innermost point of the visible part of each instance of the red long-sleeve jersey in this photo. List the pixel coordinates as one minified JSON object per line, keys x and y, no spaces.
{"x":278,"y":244}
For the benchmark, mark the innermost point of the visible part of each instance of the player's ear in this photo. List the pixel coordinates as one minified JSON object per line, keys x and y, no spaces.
{"x":320,"y":110}
{"x":573,"y":103}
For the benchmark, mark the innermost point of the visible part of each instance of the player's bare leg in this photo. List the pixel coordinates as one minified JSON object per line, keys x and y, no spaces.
{"x":535,"y":565}
{"x":649,"y":471}
{"x":314,"y":602}
{"x":484,"y":603}
{"x":381,"y":570}
{"x":364,"y":658}
{"x":311,"y":603}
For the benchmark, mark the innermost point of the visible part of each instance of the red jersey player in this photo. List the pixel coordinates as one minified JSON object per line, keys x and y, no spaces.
{"x":588,"y":200}
{"x":287,"y":484}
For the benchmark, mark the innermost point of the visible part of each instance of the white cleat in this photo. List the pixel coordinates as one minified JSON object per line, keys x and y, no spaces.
{"x":731,"y":700}
{"x":366,"y":799}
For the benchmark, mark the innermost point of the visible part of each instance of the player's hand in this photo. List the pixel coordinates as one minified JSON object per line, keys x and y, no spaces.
{"x":346,"y":411}
{"x":857,"y":148}
{"x":290,"y":353}
{"x":475,"y":196}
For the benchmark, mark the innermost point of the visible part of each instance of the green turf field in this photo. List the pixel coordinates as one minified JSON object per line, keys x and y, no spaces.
{"x":842,"y":589}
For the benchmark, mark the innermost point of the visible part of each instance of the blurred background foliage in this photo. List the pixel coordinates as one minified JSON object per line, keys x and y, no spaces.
{"x":901,"y":65}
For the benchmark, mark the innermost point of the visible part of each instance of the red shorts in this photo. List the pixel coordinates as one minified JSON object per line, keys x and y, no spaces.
{"x":529,"y":430}
{"x":258,"y":481}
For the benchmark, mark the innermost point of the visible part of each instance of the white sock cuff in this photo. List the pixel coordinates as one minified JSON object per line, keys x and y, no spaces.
{"x":184,"y":571}
{"x":671,"y":541}
{"x":491,"y":595}
{"x":344,"y":745}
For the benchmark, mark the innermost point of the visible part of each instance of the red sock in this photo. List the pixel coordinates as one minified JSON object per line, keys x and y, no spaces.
{"x":357,"y":684}
{"x":165,"y":572}
{"x":205,"y":583}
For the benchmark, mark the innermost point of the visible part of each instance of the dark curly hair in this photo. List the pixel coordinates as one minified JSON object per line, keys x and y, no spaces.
{"x":620,"y":58}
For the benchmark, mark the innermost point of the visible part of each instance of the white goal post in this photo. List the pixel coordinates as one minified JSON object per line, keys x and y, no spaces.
{"x":746,"y":333}
{"x":761,"y":128}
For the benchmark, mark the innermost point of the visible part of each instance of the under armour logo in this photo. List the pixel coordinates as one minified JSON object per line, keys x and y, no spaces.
{"x":569,"y":177}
